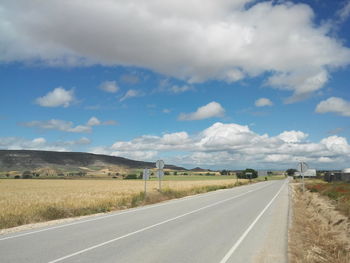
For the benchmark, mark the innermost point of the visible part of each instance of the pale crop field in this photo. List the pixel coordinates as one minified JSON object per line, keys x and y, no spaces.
{"x":28,"y":201}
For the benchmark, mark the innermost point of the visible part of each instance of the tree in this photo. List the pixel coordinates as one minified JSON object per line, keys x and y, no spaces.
{"x":225,"y":172}
{"x":248,"y":174}
{"x":175,"y":173}
{"x":291,"y":172}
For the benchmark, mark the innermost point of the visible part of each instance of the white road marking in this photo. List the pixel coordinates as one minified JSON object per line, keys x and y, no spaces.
{"x":243,"y":236}
{"x":152,"y":226}
{"x":114,"y":214}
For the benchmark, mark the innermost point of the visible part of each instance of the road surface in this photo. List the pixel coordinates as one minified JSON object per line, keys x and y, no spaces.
{"x":243,"y":224}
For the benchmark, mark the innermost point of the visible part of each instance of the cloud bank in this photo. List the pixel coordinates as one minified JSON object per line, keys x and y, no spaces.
{"x":236,"y":146}
{"x":224,"y":40}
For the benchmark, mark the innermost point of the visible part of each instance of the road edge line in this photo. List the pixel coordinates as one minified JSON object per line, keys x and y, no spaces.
{"x":152,"y":226}
{"x":246,"y":232}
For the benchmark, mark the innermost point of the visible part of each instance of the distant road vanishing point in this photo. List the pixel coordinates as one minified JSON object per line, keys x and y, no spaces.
{"x":242,"y":224}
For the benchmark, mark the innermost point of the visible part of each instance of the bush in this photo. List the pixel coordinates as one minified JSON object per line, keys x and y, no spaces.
{"x":131,"y":176}
{"x":17,"y":177}
{"x":27,"y":175}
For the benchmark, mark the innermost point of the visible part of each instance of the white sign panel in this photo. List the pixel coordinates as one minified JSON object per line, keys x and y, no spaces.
{"x":160,"y":164}
{"x":145,"y":174}
{"x":160,"y":174}
{"x":302,"y":167}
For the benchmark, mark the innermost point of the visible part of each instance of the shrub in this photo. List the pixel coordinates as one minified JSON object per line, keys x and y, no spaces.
{"x":131,"y":176}
{"x":27,"y":175}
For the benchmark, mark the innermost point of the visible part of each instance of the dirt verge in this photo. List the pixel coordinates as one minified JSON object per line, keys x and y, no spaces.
{"x":318,"y":233}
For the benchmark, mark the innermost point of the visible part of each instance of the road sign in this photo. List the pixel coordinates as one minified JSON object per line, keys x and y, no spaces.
{"x":145,"y":174}
{"x":160,"y":164}
{"x":302,"y":167}
{"x":160,"y":173}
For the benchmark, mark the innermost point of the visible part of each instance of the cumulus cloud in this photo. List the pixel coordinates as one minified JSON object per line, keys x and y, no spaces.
{"x":212,"y":109}
{"x":334,"y":104}
{"x":109,"y":86}
{"x":60,"y":125}
{"x":18,"y":143}
{"x":292,"y":136}
{"x":131,"y":93}
{"x":58,"y":97}
{"x":67,"y":126}
{"x":262,"y":102}
{"x":234,"y":145}
{"x":224,"y":40}
{"x":93,"y":121}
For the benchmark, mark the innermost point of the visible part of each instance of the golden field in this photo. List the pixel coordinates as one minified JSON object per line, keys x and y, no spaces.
{"x":28,"y":201}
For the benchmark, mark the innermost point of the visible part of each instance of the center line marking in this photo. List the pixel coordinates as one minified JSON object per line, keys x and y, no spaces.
{"x":152,"y":226}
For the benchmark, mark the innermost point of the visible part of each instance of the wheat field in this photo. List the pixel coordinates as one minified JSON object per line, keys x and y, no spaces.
{"x":29,"y":201}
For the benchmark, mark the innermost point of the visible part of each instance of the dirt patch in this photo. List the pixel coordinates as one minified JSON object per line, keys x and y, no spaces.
{"x":318,"y":233}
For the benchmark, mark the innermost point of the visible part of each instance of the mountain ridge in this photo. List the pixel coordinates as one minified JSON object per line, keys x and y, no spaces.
{"x":33,"y":159}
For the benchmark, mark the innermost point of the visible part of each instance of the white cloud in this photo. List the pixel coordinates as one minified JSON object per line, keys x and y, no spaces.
{"x":137,"y":155}
{"x":225,"y":40}
{"x":180,"y":89}
{"x":212,"y":109}
{"x":67,"y":126}
{"x":166,"y":111}
{"x":18,"y":143}
{"x":334,"y":104}
{"x":236,"y":146}
{"x":344,"y":12}
{"x":60,"y":125}
{"x":109,"y":86}
{"x":131,"y":93}
{"x":58,"y":97}
{"x":292,"y":136}
{"x":93,"y":121}
{"x":263,"y":102}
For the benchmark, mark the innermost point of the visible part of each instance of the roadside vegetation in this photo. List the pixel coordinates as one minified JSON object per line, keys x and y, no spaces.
{"x":339,"y":192}
{"x":25,"y":201}
{"x":318,"y":232}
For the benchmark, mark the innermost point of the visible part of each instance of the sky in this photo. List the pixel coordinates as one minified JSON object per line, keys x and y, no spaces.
{"x":225,"y":84}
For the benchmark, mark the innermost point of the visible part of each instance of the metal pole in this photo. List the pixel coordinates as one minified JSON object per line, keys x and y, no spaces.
{"x":160,"y":184}
{"x":302,"y":174}
{"x":145,"y":186}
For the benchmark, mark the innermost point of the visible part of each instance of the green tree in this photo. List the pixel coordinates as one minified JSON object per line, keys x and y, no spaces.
{"x":248,"y":174}
{"x":291,"y":172}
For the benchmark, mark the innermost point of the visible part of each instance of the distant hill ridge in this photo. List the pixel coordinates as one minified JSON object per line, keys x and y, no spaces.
{"x":31,"y":159}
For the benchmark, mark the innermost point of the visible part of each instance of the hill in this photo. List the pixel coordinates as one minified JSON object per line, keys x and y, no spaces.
{"x":19,"y":160}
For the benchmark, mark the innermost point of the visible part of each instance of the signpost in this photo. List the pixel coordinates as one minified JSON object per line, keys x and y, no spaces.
{"x":145,"y":177}
{"x":302,"y":167}
{"x":160,"y":173}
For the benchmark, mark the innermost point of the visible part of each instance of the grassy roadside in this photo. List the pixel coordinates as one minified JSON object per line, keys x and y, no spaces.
{"x":31,"y":201}
{"x":338,"y":192}
{"x":318,"y":233}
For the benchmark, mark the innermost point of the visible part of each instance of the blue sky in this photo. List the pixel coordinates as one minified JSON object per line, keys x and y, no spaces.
{"x":229,"y":84}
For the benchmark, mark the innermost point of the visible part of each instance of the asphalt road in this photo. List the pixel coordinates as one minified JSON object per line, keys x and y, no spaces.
{"x":243,"y":224}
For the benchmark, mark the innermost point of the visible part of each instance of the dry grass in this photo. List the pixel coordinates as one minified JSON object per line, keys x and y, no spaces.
{"x":339,"y":192}
{"x":29,"y":201}
{"x":318,"y":232}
